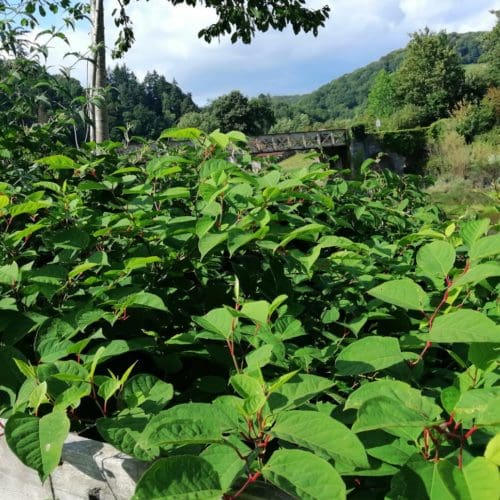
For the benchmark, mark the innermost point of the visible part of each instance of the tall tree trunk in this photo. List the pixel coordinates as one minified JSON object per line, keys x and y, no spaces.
{"x":99,"y":111}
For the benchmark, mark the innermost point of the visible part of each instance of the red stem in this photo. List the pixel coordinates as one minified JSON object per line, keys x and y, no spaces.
{"x":251,"y":479}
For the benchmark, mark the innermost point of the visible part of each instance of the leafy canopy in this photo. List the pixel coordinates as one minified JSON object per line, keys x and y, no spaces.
{"x":431,"y":75}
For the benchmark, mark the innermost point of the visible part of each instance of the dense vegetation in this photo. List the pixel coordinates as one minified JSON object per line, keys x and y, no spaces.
{"x":346,"y":97}
{"x":287,"y":333}
{"x":321,"y":334}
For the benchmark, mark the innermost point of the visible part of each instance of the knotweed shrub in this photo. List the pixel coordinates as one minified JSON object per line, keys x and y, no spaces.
{"x":281,"y":329}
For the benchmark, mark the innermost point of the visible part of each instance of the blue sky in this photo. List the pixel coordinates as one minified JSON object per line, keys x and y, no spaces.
{"x":358,"y":32}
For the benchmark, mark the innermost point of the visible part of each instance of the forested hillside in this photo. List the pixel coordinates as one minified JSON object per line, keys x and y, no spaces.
{"x":146,"y":108}
{"x":346,"y":96}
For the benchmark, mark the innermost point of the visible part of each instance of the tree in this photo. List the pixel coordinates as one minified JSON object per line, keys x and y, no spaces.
{"x":241,"y":20}
{"x":492,"y":51}
{"x":234,"y":111}
{"x":382,"y":97}
{"x":98,"y":111}
{"x":146,"y":108}
{"x":202,"y":120}
{"x":261,"y":115}
{"x":431,"y":75}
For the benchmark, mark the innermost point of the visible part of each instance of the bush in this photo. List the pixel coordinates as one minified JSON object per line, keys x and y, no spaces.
{"x":449,"y":155}
{"x":234,"y":326}
{"x":409,"y":116}
{"x":472,"y":119}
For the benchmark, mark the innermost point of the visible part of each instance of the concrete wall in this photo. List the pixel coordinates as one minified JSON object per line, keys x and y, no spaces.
{"x":370,"y":147}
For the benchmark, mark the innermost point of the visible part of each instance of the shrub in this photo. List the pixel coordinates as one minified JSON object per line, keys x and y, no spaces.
{"x":409,"y":116}
{"x":289,"y":325}
{"x":472,"y":119}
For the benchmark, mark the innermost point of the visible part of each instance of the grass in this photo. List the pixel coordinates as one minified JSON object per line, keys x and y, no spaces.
{"x":460,"y":199}
{"x":299,"y":160}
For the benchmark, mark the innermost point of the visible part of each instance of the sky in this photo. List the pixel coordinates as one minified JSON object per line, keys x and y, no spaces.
{"x":277,"y":63}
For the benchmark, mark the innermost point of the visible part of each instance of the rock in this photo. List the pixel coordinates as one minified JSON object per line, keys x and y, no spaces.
{"x":90,"y":470}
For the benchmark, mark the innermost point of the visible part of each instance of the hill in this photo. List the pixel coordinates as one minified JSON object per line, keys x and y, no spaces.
{"x":343,"y":97}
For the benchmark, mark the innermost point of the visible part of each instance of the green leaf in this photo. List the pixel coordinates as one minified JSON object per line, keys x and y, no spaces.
{"x":389,"y":449}
{"x":237,"y":136}
{"x":464,"y":326}
{"x":257,"y":311}
{"x":174,"y":193}
{"x":304,"y":475}
{"x":117,"y":347}
{"x":404,"y":293}
{"x":247,"y":386}
{"x":482,"y":479}
{"x":8,"y":304}
{"x":322,"y":434}
{"x":125,"y":433}
{"x":9,"y":274}
{"x":204,"y":224}
{"x":450,"y":396}
{"x":166,"y":431}
{"x":479,"y":407}
{"x":369,"y":354}
{"x":304,"y":232}
{"x":4,"y":201}
{"x":483,"y":355}
{"x":81,"y":268}
{"x":473,"y":230}
{"x":330,"y":315}
{"x":225,"y":461}
{"x":146,"y":300}
{"x":209,"y":241}
{"x":182,"y":134}
{"x":38,"y":442}
{"x":140,"y":262}
{"x":179,"y":477}
{"x":147,"y":391}
{"x":29,"y":207}
{"x":436,"y":259}
{"x":390,"y":416}
{"x":219,"y":321}
{"x":71,"y":239}
{"x":38,"y":396}
{"x":27,"y":369}
{"x":431,"y":480}
{"x":485,"y":247}
{"x":477,"y":273}
{"x":108,"y":387}
{"x":260,"y":357}
{"x":58,"y":162}
{"x":492,"y":452}
{"x":297,"y":391}
{"x":402,"y":393}
{"x":215,"y":416}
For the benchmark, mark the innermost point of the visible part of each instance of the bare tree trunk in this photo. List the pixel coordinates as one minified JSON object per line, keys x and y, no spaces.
{"x":99,"y":112}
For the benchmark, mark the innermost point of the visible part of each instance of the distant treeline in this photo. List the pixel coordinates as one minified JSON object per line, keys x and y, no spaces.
{"x":145,"y":108}
{"x":346,"y":97}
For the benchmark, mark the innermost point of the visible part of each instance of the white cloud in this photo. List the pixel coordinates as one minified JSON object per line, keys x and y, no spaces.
{"x":357,"y":32}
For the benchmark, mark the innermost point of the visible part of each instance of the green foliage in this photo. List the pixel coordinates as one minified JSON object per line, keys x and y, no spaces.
{"x":474,"y":119}
{"x":292,"y":326}
{"x":234,"y":111}
{"x":144,"y":108}
{"x":346,"y":97}
{"x":408,"y":143}
{"x":431,"y":75}
{"x":492,"y":51}
{"x":382,"y":96}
